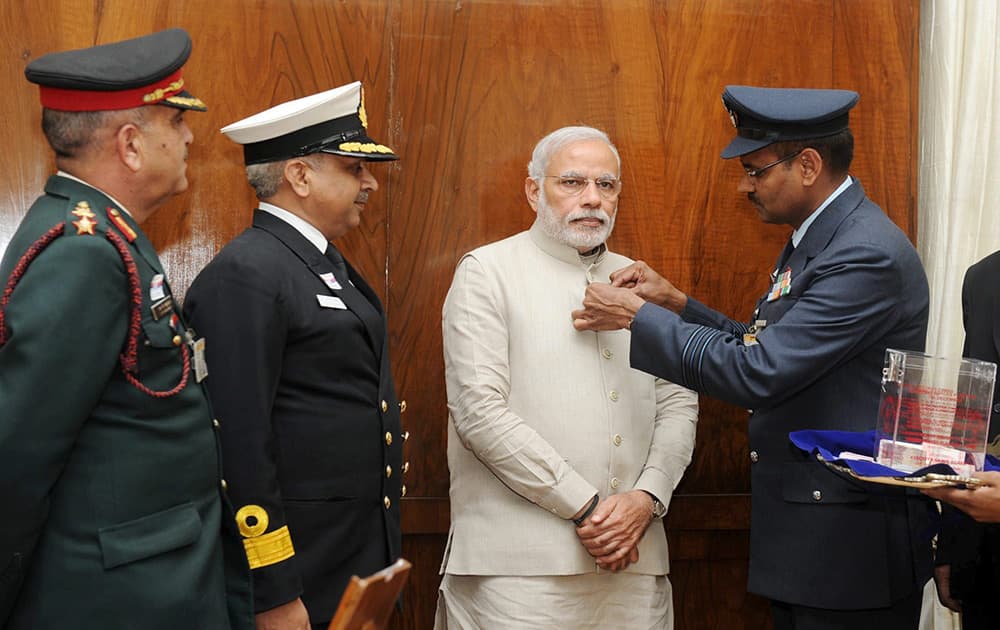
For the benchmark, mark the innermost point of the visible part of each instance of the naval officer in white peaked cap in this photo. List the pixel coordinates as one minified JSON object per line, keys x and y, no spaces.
{"x":298,"y":349}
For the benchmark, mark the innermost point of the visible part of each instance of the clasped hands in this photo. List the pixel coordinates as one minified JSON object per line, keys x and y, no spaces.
{"x":611,"y":534}
{"x":613,"y":306}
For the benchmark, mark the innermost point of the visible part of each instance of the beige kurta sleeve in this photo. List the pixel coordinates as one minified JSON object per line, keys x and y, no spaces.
{"x":673,"y":440}
{"x":477,"y":375}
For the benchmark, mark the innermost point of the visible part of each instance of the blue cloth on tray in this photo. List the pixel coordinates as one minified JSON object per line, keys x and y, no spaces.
{"x":829,"y":444}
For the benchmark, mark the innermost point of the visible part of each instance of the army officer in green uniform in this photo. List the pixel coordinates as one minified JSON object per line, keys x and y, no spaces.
{"x":113,"y":508}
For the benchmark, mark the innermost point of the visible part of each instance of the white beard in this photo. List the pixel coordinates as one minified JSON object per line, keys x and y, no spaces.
{"x":566,"y":232}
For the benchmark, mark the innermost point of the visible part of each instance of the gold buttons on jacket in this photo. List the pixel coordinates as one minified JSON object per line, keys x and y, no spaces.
{"x":402,"y":406}
{"x":176,"y":340}
{"x":388,"y":438}
{"x":608,"y":353}
{"x":388,"y":472}
{"x":406,"y":467}
{"x":613,"y":396}
{"x":223,"y":484}
{"x":615,"y":482}
{"x":617,"y":440}
{"x":215,"y":423}
{"x":754,"y":457}
{"x":385,"y":406}
{"x":387,"y":502}
{"x":402,"y":491}
{"x":406,"y":435}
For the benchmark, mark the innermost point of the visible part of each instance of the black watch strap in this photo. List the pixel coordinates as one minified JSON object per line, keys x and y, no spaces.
{"x":659,"y":510}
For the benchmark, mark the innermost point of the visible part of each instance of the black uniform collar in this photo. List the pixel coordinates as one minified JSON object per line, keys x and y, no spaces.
{"x":293,"y":240}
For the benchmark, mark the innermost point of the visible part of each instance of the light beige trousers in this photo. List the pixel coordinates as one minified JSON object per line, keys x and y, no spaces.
{"x":593,"y":600}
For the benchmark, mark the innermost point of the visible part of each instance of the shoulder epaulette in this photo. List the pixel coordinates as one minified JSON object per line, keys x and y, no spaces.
{"x":82,"y":220}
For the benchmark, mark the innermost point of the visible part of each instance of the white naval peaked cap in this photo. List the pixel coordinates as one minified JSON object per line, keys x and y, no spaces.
{"x":333,"y":121}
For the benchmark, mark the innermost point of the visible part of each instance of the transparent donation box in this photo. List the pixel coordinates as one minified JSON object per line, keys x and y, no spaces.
{"x":933,"y":410}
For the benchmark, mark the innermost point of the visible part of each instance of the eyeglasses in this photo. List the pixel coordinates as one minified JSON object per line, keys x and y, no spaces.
{"x":754,"y":173}
{"x":607,"y":187}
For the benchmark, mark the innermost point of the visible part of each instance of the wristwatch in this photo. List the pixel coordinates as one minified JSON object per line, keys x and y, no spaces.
{"x":659,"y":510}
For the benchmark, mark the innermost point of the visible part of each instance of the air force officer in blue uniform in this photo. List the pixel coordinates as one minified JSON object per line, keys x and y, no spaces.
{"x":828,"y":552}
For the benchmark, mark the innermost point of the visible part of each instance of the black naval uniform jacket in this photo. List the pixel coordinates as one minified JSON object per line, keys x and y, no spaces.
{"x":856,"y":287}
{"x":310,"y":421}
{"x":973,"y":549}
{"x":111,"y":496}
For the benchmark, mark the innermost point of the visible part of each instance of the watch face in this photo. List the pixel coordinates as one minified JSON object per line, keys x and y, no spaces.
{"x":659,"y":510}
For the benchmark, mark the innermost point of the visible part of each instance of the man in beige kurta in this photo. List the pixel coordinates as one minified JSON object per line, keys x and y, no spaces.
{"x":562,"y":457}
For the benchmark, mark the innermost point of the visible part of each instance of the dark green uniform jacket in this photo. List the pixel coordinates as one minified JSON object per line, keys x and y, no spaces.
{"x":112,"y":509}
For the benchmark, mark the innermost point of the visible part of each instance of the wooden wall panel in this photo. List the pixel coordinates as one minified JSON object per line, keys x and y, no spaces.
{"x":886,"y":127}
{"x":462,"y":90}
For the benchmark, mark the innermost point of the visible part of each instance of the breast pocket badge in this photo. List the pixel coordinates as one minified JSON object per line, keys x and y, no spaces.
{"x":331,"y":301}
{"x":781,"y":286}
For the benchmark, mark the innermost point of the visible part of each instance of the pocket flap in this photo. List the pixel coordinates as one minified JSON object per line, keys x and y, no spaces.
{"x":812,"y":482}
{"x":159,"y":333}
{"x":150,"y":535}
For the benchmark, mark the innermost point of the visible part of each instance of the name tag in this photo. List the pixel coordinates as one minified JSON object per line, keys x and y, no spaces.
{"x":331,"y":301}
{"x":162,"y":308}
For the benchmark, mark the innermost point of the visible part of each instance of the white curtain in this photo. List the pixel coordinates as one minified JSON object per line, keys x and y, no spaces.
{"x":958,"y":196}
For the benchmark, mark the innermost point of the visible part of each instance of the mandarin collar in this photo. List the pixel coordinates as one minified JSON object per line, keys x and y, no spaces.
{"x":561,"y":251}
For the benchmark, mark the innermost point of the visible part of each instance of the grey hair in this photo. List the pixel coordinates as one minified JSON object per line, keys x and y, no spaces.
{"x":70,"y":133}
{"x":550,"y":144}
{"x":265,"y":179}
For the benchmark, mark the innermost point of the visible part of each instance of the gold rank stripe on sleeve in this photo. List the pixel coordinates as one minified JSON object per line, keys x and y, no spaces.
{"x":270,"y":548}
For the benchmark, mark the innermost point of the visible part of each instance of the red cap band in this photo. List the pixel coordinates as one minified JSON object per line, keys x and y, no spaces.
{"x":93,"y":100}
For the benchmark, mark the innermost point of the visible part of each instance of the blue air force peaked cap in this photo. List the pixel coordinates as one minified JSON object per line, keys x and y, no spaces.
{"x":333,"y":121}
{"x":131,"y":73}
{"x":763,"y":116}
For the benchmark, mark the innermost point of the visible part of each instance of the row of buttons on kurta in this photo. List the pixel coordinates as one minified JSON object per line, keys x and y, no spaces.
{"x":613,"y":395}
